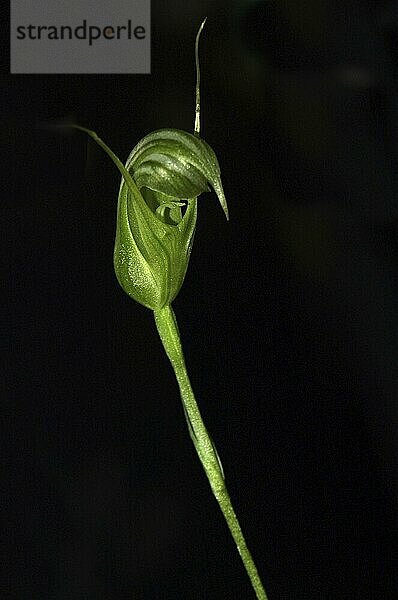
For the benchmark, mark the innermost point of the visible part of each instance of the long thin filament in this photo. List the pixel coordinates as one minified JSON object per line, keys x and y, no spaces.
{"x":197,"y":99}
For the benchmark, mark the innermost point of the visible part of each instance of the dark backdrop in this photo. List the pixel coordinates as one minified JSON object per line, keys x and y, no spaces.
{"x":288,"y":317}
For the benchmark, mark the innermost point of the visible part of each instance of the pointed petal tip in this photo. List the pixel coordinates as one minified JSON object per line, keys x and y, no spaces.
{"x":221,"y":198}
{"x":224,"y":206}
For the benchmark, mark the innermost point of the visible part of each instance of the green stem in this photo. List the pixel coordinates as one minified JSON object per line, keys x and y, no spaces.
{"x":169,"y":334}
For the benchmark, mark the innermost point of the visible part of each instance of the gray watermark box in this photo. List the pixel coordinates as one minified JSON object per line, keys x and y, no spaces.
{"x":80,"y":36}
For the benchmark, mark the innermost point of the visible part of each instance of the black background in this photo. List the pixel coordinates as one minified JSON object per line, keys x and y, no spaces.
{"x":288,"y":317}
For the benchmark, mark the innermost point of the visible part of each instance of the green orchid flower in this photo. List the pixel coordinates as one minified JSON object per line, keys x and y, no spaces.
{"x":156,"y":218}
{"x":164,"y":174}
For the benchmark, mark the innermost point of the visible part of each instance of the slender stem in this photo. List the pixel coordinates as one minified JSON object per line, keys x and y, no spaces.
{"x":169,"y":334}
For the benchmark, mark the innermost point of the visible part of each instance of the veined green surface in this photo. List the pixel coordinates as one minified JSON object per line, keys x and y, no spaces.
{"x":177,"y":164}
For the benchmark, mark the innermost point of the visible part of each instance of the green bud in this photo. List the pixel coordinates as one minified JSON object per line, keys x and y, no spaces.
{"x":170,"y":168}
{"x":165,"y":172}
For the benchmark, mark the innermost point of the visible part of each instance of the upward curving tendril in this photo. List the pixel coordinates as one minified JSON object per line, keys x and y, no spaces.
{"x":197,"y":96}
